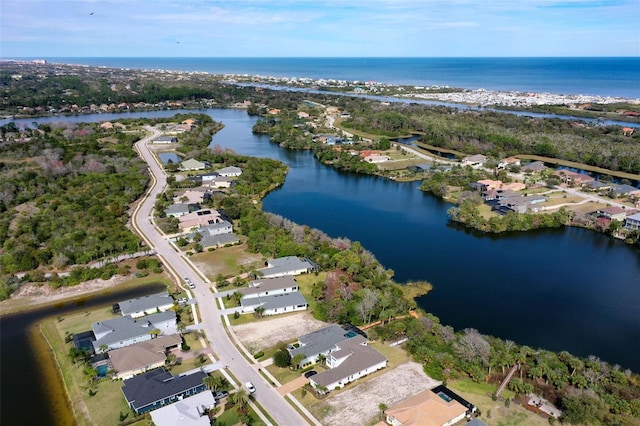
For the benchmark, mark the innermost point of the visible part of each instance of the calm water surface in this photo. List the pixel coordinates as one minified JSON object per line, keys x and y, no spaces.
{"x":31,"y":391}
{"x":567,"y":289}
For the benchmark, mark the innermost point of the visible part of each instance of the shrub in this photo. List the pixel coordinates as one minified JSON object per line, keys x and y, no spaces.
{"x":258,"y":355}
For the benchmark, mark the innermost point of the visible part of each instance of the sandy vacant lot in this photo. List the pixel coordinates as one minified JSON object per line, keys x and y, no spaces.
{"x":359,"y":405}
{"x":266,"y":333}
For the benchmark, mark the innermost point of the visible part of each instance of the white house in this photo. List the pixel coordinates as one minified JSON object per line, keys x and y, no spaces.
{"x":165,"y":139}
{"x":191,"y":411}
{"x":193,"y":164}
{"x":125,"y":331}
{"x":289,"y":265}
{"x":146,"y":305}
{"x":270,"y":287}
{"x":231,"y":171}
{"x":275,"y":304}
{"x":351,"y":360}
{"x":319,"y":342}
{"x":474,"y":160}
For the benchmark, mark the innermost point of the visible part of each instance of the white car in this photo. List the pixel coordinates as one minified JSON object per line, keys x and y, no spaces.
{"x":250,"y":387}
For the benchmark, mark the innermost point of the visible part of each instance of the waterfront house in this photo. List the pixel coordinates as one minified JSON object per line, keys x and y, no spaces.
{"x":125,"y":331}
{"x":191,"y":411}
{"x":632,"y":223}
{"x":146,"y":305}
{"x":426,"y":408}
{"x":289,"y":265}
{"x":612,"y":212}
{"x":348,"y":361}
{"x":157,"y":388}
{"x":136,"y":359}
{"x":508,"y":162}
{"x":573,"y":178}
{"x":625,"y":190}
{"x":231,"y":171}
{"x":534,"y":167}
{"x":477,"y":160}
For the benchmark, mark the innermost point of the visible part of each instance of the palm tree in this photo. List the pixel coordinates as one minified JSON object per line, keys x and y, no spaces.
{"x":241,"y":398}
{"x":382,"y":406}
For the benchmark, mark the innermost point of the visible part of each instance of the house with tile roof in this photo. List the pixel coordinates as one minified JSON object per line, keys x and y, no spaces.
{"x":426,"y":409}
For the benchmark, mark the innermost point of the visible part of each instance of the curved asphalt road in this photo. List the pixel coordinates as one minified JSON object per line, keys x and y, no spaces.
{"x":267,"y":396}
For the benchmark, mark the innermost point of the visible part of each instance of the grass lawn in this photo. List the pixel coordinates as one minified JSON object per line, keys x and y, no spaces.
{"x":105,"y":406}
{"x":480,"y":395}
{"x":231,"y":417}
{"x":305,"y":282}
{"x":226,"y":261}
{"x":396,"y":355}
{"x":554,"y":201}
{"x":81,"y":321}
{"x":400,"y":164}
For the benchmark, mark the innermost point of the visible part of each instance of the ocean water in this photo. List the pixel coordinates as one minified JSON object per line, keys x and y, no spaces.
{"x":615,"y":77}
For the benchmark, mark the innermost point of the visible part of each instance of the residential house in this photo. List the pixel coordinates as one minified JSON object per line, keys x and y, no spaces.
{"x":474,"y":160}
{"x":573,"y":178}
{"x":218,"y":182}
{"x":190,"y":121}
{"x":596,"y":185}
{"x":625,"y":190}
{"x":190,"y":196}
{"x":178,"y":210}
{"x":289,"y":265}
{"x":349,"y":361}
{"x":275,"y":304}
{"x":519,"y":203}
{"x":270,"y":286}
{"x":193,"y":164}
{"x":136,"y":359}
{"x":125,"y":331}
{"x":426,"y":409}
{"x":191,"y":411}
{"x":216,"y":235}
{"x":375,"y":159}
{"x":231,"y":171}
{"x":319,"y":342}
{"x":613,"y":213}
{"x":199,"y":219}
{"x":534,"y":167}
{"x":207,"y":177}
{"x":157,"y":388}
{"x":146,"y":305}
{"x":420,"y":168}
{"x":632,"y":222}
{"x":508,"y":162}
{"x":165,"y":139}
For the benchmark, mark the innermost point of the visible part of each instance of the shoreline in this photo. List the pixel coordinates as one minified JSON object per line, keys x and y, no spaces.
{"x":438,"y":93}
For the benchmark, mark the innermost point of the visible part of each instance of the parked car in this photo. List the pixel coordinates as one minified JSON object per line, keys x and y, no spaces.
{"x":192,"y":286}
{"x":250,"y":387}
{"x":221,"y":394}
{"x":310,"y":373}
{"x":182,"y":301}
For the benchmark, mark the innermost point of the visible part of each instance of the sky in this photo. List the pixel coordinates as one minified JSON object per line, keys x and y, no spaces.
{"x":318,"y":28}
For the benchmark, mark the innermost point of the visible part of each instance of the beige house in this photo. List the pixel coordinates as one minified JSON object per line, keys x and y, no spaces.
{"x":426,"y":409}
{"x":141,"y":357}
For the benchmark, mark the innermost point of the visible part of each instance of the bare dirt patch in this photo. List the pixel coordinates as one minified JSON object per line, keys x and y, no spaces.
{"x":265,"y":334}
{"x":359,"y":405}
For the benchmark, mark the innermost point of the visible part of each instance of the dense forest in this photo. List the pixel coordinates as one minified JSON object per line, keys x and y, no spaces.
{"x":65,"y":192}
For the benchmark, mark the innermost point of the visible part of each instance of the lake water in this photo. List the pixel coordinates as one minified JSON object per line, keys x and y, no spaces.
{"x":562,"y":289}
{"x":31,"y":390}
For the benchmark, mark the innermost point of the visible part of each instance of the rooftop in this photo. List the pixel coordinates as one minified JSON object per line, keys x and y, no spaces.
{"x":143,"y":303}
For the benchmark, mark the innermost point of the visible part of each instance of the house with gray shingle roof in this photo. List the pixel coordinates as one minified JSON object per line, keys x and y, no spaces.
{"x":177,"y":210}
{"x":231,"y":171}
{"x":289,"y":265}
{"x":319,"y":342}
{"x":269,"y":287}
{"x":157,"y":388}
{"x":124,"y":331}
{"x":275,"y":304}
{"x":350,"y":360}
{"x":145,"y":305}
